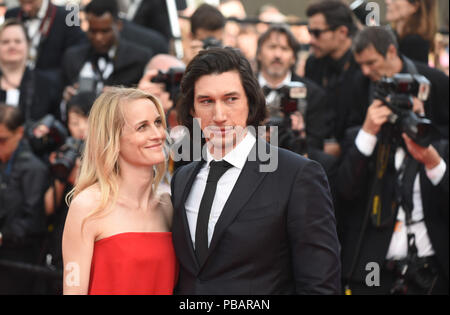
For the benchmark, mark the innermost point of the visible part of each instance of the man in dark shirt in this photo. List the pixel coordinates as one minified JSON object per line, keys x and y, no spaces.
{"x":332,"y":65}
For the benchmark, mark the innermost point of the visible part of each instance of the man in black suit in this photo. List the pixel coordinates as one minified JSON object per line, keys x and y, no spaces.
{"x":49,"y":33}
{"x":398,"y":189}
{"x":302,"y":129}
{"x":332,"y":66}
{"x":107,"y":59}
{"x":246,"y":222}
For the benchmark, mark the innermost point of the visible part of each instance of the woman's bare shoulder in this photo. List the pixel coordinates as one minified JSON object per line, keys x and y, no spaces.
{"x":165,"y":204}
{"x":83,"y":204}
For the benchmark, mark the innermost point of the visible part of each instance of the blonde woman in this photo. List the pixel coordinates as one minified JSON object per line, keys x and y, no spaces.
{"x":117,"y":236}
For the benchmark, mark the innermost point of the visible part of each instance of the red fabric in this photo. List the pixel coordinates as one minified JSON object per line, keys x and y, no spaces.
{"x":134,"y":263}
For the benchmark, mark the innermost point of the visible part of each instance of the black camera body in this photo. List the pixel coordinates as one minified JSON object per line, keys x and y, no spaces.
{"x":66,"y":157}
{"x":212,"y":42}
{"x":172,"y":80}
{"x":289,"y":99}
{"x":54,"y":139}
{"x":398,"y":93}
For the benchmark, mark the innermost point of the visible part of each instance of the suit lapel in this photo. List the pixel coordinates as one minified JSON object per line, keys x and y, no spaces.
{"x":248,"y":182}
{"x":187,"y":182}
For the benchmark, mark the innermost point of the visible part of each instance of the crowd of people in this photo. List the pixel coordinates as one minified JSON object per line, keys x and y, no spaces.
{"x":368,"y":103}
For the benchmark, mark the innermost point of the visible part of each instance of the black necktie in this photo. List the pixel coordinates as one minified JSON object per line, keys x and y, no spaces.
{"x":216,"y":171}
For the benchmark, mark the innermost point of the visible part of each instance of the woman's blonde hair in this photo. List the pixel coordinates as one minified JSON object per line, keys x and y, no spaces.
{"x":100,"y":159}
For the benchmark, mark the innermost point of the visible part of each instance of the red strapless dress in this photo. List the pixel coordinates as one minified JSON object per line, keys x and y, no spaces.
{"x":134,"y":263}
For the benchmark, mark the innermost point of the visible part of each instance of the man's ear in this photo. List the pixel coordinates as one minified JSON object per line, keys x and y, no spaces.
{"x":343,"y":31}
{"x":392,"y":52}
{"x":20,"y":131}
{"x":119,"y":25}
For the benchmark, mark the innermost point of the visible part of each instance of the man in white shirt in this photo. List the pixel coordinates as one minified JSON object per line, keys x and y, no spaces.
{"x":399,"y":189}
{"x":240,"y":227}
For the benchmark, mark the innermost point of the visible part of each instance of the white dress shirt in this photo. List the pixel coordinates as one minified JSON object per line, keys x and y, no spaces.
{"x":237,"y":158}
{"x":33,"y":29}
{"x":398,"y":248}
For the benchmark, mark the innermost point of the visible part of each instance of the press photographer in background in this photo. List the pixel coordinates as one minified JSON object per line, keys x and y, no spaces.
{"x":395,"y":173}
{"x":296,"y":105}
{"x":64,"y":167}
{"x":207,"y":30}
{"x":162,"y":78}
{"x":23,"y":182}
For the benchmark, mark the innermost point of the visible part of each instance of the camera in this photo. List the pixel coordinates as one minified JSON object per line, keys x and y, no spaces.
{"x":412,"y":271}
{"x":212,"y":42}
{"x":172,"y":80}
{"x":281,"y":105}
{"x":66,"y":157}
{"x":289,"y":99}
{"x":397,"y":93}
{"x":56,"y":136}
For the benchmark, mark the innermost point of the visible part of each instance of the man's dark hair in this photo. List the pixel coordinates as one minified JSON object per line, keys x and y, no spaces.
{"x":378,"y":37}
{"x":100,"y":7}
{"x":81,"y":103}
{"x":336,"y":12}
{"x":280,"y":29}
{"x":11,"y":117}
{"x":218,"y":61}
{"x":207,"y":17}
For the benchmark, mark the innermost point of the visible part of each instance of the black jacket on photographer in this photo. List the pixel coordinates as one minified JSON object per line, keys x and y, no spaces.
{"x":316,"y":128}
{"x":362,"y":241}
{"x":24,"y":180}
{"x":315,"y":113}
{"x":340,"y":79}
{"x":39,"y":95}
{"x":437,"y":107}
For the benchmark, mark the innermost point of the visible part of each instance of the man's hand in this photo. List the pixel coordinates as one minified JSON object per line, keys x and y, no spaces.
{"x":70,"y":92}
{"x":427,"y":156}
{"x":377,"y":115}
{"x":156,"y":89}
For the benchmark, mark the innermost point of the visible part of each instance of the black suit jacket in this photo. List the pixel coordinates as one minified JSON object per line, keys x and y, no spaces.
{"x":60,"y":38}
{"x":355,"y":178}
{"x":129,"y":63}
{"x":147,"y":38}
{"x":39,"y":95}
{"x":276,"y":233}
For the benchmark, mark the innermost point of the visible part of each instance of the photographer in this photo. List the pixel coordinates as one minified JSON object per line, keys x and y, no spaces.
{"x":207,"y":30}
{"x":301,"y":120}
{"x":23,"y":181}
{"x":64,"y":168}
{"x":398,"y":186}
{"x":162,"y":79}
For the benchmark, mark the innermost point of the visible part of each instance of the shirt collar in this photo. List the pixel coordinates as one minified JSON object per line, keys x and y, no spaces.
{"x":263,"y":82}
{"x":43,"y":10}
{"x":237,"y":157}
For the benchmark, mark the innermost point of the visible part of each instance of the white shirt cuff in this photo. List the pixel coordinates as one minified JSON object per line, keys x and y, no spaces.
{"x":366,"y":143}
{"x":436,"y":174}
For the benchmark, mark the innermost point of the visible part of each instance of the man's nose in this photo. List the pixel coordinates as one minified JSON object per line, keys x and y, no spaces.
{"x":219,"y":113}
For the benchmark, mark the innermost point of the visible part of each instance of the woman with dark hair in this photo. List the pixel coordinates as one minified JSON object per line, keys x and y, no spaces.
{"x":23,"y":181}
{"x":414,"y":22}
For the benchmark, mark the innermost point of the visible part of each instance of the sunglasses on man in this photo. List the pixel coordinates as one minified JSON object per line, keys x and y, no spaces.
{"x":318,"y":32}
